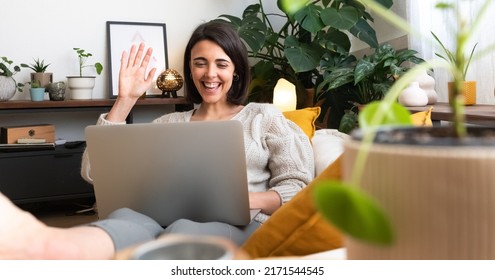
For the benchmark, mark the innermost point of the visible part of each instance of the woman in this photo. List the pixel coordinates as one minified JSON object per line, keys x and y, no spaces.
{"x":279,"y":157}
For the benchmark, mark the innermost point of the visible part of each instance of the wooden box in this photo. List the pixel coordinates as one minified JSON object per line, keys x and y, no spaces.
{"x":10,"y":134}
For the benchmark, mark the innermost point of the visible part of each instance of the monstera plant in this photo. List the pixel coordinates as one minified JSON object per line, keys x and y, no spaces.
{"x":312,"y":35}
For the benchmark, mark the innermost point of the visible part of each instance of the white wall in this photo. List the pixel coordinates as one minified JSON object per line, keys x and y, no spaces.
{"x":50,"y":29}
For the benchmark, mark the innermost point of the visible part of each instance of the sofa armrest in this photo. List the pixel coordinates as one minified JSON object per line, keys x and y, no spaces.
{"x":327,"y":147}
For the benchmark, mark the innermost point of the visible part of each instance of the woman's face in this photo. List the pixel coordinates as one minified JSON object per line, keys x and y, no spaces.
{"x":212,"y":71}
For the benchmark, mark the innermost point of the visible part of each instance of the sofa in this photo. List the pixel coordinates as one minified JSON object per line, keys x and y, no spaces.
{"x":297,"y":228}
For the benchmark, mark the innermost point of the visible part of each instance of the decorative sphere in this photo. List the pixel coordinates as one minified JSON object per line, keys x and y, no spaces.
{"x":169,"y":80}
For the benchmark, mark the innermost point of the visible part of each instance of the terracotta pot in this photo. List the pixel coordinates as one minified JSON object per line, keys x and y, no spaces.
{"x":440,"y":200}
{"x":468,"y":92}
{"x":44,"y":78}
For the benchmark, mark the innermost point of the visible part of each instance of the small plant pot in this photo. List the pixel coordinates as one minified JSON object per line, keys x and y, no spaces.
{"x":81,"y":88}
{"x":468,"y":92}
{"x":37,"y":94}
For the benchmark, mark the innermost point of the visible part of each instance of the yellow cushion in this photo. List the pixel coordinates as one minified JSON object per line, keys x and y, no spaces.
{"x":297,"y":228}
{"x":422,"y":118}
{"x":305,"y":119}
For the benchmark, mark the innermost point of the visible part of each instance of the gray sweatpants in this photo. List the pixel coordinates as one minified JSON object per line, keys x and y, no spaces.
{"x":127,"y":227}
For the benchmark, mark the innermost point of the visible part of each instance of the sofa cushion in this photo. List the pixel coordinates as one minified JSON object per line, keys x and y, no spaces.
{"x":297,"y":228}
{"x":305,"y":119}
{"x":328,"y":145}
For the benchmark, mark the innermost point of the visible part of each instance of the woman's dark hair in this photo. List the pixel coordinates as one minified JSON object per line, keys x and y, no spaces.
{"x":224,"y":35}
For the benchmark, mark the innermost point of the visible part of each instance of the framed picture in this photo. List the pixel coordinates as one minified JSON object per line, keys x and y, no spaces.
{"x":122,"y":35}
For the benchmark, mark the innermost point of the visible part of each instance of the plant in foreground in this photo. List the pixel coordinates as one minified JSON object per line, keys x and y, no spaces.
{"x":349,"y":209}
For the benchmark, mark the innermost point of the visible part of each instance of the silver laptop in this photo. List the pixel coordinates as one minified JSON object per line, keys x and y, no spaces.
{"x":193,"y":170}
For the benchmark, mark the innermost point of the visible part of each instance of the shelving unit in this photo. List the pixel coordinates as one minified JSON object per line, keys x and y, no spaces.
{"x":54,"y":174}
{"x":47,"y":104}
{"x":53,"y":106}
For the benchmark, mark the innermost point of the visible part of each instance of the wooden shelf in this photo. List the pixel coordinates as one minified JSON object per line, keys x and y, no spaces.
{"x":479,"y":114}
{"x":27,"y":104}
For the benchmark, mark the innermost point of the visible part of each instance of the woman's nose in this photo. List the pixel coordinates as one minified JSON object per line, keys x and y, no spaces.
{"x":211,"y":71}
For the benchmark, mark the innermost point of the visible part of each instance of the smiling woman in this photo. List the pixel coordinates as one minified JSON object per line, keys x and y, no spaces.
{"x":279,"y":157}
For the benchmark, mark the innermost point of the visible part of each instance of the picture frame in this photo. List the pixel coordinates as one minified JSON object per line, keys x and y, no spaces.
{"x":121,"y":35}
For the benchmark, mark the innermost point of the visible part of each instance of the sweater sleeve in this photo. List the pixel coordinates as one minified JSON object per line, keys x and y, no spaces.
{"x":291,"y":161}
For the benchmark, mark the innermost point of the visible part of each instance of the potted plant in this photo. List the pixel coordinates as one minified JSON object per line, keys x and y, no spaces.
{"x":434,"y":184}
{"x":314,"y":35}
{"x":37,"y":91}
{"x":81,"y":87}
{"x":469,"y":87}
{"x":8,"y":85}
{"x":345,"y":87}
{"x":39,"y":68}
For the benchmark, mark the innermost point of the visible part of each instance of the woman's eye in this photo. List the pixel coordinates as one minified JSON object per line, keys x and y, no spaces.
{"x":223,"y":66}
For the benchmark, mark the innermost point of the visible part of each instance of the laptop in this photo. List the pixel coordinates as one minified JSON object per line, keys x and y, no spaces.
{"x":168,"y":171}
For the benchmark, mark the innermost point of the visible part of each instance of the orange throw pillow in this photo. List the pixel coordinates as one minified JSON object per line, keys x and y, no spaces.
{"x":305,"y":119}
{"x":297,"y":228}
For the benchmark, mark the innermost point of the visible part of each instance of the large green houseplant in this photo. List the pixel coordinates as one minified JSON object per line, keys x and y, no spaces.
{"x":435,"y":187}
{"x":315,"y":35}
{"x":346,"y":87}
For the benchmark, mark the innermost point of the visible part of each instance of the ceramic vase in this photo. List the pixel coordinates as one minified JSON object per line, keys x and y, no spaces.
{"x":413,"y":96}
{"x":7,"y":88}
{"x":427,"y":83}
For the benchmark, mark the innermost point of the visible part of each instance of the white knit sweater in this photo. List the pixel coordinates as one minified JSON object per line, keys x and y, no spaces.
{"x":279,"y":156}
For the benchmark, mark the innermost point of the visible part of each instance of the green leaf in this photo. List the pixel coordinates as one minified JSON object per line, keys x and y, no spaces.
{"x":344,"y":18}
{"x":363,"y":69}
{"x":302,"y":57}
{"x":348,"y":122}
{"x":290,"y":7}
{"x":336,"y":78}
{"x":386,"y":3}
{"x":335,"y":40}
{"x":309,"y":18}
{"x":99,"y":68}
{"x":251,"y":29}
{"x":365,"y":33}
{"x":397,"y":115}
{"x":353,"y":212}
{"x":252,"y":10}
{"x":263,"y":69}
